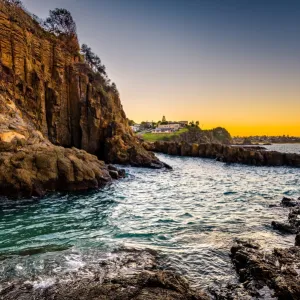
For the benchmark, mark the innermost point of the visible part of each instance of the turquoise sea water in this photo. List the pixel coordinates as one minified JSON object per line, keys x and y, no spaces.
{"x":191,"y":214}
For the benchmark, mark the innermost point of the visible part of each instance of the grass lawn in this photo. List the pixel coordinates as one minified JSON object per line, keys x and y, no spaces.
{"x":152,"y":137}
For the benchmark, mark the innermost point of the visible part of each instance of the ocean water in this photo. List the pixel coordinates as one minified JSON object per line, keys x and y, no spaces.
{"x":191,"y":215}
{"x":287,"y":148}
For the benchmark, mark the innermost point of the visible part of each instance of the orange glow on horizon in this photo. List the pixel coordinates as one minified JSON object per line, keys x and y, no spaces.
{"x":268,"y":130}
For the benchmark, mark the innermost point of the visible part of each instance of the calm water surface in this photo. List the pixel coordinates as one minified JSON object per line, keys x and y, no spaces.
{"x":191,"y":214}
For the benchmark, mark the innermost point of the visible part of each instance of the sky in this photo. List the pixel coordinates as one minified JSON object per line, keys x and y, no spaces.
{"x":229,"y":63}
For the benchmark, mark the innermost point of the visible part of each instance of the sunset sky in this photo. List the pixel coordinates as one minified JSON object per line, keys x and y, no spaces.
{"x":230,"y":63}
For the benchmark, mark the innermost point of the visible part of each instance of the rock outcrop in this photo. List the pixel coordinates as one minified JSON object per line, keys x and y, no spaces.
{"x":277,"y":270}
{"x":37,"y":169}
{"x":292,"y":225}
{"x":217,"y":135}
{"x":266,"y":274}
{"x":226,"y":153}
{"x":50,"y":100}
{"x":59,"y":94}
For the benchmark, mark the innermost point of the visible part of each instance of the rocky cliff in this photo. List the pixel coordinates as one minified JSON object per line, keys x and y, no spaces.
{"x":49,"y":97}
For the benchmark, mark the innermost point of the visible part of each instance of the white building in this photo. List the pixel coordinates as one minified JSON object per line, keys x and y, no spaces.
{"x":136,"y":127}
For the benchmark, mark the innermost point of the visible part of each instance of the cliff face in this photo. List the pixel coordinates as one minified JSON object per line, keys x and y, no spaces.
{"x":50,"y":100}
{"x":56,"y":93}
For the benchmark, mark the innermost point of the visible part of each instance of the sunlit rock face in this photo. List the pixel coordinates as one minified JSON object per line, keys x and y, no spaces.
{"x":49,"y":96}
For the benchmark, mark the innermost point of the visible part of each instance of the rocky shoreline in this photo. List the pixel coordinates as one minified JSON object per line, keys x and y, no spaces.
{"x":139,"y":274}
{"x":224,"y":153}
{"x":60,"y":130}
{"x":130,"y":274}
{"x":267,"y":274}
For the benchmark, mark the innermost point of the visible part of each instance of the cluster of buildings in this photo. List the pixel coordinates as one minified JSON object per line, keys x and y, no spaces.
{"x":161,"y":128}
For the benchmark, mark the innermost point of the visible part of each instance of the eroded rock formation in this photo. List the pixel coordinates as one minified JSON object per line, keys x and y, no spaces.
{"x":49,"y":99}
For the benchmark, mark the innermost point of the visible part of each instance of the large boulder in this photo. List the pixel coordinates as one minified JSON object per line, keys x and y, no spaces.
{"x":41,"y":168}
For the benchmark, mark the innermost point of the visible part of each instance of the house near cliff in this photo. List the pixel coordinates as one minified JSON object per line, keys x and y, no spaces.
{"x":172,"y":126}
{"x":163,"y":130}
{"x":167,"y":128}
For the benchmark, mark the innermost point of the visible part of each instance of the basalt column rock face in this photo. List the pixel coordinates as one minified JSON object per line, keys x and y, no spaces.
{"x":57,"y":93}
{"x":50,"y":99}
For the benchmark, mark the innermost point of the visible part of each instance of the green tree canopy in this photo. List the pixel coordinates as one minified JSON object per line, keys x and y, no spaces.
{"x":130,"y":122}
{"x":93,"y":60}
{"x":60,"y":21}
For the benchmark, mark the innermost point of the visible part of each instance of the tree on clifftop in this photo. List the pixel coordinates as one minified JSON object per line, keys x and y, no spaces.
{"x":60,"y":21}
{"x":93,"y":60}
{"x":115,"y":89}
{"x":98,"y":68}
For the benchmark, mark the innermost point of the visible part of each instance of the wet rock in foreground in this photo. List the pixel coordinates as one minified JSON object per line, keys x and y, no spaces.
{"x":131,"y":275}
{"x":292,"y":225}
{"x":277,"y":272}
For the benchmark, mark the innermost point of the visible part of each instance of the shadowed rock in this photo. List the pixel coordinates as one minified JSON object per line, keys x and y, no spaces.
{"x":289,"y":202}
{"x":277,"y":270}
{"x":292,"y":225}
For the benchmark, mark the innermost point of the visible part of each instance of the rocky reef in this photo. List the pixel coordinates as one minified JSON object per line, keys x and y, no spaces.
{"x":131,"y":274}
{"x":277,"y":270}
{"x":266,"y":274}
{"x":50,"y":99}
{"x":225,"y":153}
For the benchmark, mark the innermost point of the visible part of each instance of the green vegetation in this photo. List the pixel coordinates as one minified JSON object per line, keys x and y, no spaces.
{"x":60,"y":22}
{"x":98,"y":69}
{"x":130,"y":122}
{"x":191,"y":134}
{"x":152,"y":137}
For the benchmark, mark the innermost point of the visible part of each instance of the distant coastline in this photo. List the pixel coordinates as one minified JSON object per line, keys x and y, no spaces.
{"x":265,"y":140}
